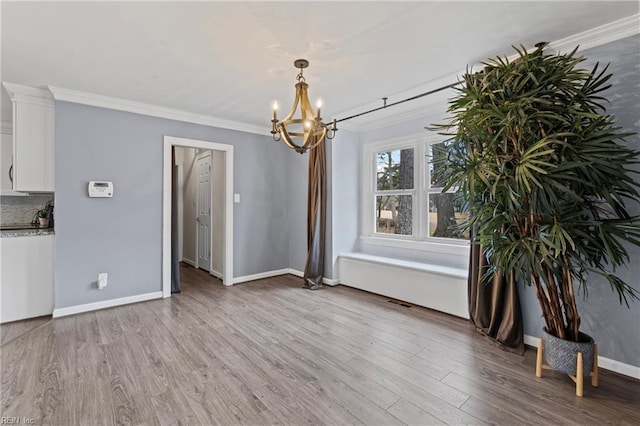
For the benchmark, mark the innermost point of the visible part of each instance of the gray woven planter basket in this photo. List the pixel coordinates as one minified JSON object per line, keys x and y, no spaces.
{"x":562,"y":354}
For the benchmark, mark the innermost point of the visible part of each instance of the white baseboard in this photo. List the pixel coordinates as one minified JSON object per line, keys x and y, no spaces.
{"x":260,"y":276}
{"x":189,"y":262}
{"x":88,"y":307}
{"x":328,"y":281}
{"x":331,"y":281}
{"x":277,"y":272}
{"x":604,"y":363}
{"x":215,"y":273}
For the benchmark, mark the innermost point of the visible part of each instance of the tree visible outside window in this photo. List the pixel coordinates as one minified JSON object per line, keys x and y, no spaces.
{"x":408,"y":206}
{"x":445,"y":211}
{"x":394,"y":191}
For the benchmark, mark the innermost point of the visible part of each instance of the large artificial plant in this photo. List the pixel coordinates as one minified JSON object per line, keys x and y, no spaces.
{"x":546,"y":176}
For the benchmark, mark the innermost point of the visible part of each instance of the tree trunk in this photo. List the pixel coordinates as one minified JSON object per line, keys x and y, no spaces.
{"x":446,"y":215}
{"x":404,"y":223}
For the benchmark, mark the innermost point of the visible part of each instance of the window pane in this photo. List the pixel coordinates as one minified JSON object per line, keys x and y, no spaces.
{"x":394,"y":214}
{"x":444,"y":214}
{"x":394,"y":169}
{"x":437,"y":153}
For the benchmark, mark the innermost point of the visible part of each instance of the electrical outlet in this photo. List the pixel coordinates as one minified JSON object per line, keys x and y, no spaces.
{"x":102,"y":280}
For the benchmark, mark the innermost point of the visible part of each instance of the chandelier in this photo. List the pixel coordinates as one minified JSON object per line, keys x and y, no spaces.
{"x":309,"y":130}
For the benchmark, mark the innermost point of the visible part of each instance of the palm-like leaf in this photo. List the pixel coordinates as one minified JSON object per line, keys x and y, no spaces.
{"x":545,"y":174}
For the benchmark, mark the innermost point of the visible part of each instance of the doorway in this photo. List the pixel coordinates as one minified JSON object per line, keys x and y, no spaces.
{"x":219,"y":166}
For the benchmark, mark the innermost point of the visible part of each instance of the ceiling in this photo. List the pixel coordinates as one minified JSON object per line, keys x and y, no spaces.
{"x":231,"y":60}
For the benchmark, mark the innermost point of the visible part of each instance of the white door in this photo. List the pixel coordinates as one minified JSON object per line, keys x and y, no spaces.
{"x":203,"y":221}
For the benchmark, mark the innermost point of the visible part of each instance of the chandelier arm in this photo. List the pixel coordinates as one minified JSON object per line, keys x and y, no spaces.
{"x":318,"y":139}
{"x":305,"y":105}
{"x":297,"y":99}
{"x":308,"y":139}
{"x":287,"y":140}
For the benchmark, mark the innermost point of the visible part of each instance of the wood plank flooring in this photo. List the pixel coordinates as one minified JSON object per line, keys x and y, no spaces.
{"x":271,"y":352}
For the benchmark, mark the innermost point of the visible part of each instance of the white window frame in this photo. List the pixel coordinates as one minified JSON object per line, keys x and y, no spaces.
{"x":420,"y":240}
{"x":413,"y":192}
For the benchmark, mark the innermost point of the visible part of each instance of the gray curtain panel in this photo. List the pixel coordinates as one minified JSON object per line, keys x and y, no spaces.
{"x":316,"y":217}
{"x":175,"y":262}
{"x":494,"y":306}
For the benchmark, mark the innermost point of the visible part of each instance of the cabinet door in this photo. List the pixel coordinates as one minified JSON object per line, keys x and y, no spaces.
{"x":6,"y":160}
{"x":27,"y":277}
{"x":33,"y":147}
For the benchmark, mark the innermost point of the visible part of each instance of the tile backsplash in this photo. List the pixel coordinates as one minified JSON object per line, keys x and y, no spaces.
{"x":21,"y":209}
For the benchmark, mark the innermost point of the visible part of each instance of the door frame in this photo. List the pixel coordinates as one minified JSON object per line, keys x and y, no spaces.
{"x":197,"y":239}
{"x":180,"y":197}
{"x":227,"y":262}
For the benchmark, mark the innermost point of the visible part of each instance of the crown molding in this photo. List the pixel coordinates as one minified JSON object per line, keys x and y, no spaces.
{"x":34,"y":95}
{"x":352,"y":127}
{"x":84,"y":98}
{"x":433,"y":105}
{"x":607,"y":33}
{"x":421,"y":112}
{"x":598,"y":36}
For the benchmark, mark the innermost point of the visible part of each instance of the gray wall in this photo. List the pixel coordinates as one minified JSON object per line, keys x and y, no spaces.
{"x":297,"y":208}
{"x":345,"y":178}
{"x":615,"y":328}
{"x":122,"y":235}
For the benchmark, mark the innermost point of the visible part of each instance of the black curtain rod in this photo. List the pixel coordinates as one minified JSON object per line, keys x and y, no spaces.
{"x":430,"y":92}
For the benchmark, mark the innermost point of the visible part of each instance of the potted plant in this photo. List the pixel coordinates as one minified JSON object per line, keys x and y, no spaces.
{"x":41,"y":217}
{"x":544,"y":173}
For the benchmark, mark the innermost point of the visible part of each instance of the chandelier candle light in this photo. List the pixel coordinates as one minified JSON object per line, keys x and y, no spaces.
{"x":309,"y":128}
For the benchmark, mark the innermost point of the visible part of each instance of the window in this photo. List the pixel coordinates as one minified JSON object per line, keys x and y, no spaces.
{"x":444,"y":210}
{"x":394,"y":191}
{"x":403,"y":196}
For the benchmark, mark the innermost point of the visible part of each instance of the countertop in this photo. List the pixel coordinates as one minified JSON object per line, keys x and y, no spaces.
{"x":32,"y":232}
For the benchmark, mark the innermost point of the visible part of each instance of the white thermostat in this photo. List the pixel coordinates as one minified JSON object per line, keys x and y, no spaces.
{"x":100,"y":188}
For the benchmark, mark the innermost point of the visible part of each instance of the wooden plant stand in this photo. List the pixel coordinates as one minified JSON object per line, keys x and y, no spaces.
{"x":578,"y":379}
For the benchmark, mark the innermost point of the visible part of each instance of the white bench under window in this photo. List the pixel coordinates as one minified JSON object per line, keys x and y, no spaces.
{"x":437,"y":287}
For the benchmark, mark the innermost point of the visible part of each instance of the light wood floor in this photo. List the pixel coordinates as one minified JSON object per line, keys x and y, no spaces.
{"x":270,"y":352}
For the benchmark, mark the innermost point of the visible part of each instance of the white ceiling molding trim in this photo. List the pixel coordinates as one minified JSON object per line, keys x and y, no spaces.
{"x":616,"y":30}
{"x":352,"y":127}
{"x":405,"y":112}
{"x":84,"y":98}
{"x":594,"y":37}
{"x":34,"y":95}
{"x":414,"y":114}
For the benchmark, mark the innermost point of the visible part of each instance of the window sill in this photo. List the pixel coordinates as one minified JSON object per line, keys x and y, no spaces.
{"x":461,"y":248}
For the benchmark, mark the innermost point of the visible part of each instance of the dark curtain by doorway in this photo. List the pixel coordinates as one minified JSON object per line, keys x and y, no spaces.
{"x":494,"y":306}
{"x":175,"y":262}
{"x":316,"y":217}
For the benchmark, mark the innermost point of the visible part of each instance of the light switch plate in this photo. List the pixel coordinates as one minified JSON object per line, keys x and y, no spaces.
{"x":236,"y":198}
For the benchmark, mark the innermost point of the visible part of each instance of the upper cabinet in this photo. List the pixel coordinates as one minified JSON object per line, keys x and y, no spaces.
{"x":33,"y":139}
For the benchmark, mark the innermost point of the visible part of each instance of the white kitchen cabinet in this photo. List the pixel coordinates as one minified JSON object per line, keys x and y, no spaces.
{"x":6,"y":166}
{"x":26,"y":277}
{"x":33,"y":138}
